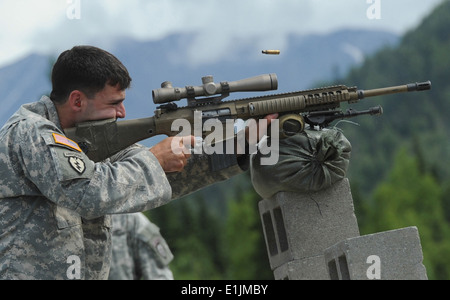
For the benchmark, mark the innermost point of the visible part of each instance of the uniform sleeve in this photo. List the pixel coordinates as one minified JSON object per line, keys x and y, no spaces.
{"x":150,"y":250}
{"x":204,"y":170}
{"x":66,"y":176}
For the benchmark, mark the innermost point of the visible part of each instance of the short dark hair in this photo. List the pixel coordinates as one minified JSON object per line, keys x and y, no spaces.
{"x":88,"y":69}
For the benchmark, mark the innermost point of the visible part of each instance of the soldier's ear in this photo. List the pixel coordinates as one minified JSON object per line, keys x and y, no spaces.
{"x":75,"y":100}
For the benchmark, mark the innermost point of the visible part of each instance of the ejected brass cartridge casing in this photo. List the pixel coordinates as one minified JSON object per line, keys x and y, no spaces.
{"x":272,"y":52}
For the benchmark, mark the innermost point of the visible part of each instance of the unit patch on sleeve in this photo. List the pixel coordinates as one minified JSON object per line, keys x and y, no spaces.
{"x":77,"y":163}
{"x":60,"y":139}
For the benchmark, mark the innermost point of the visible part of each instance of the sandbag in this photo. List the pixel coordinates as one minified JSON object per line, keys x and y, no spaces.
{"x":309,"y":161}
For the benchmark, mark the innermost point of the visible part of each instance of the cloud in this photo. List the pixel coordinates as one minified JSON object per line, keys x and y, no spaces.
{"x":354,"y":52}
{"x":215,"y":27}
{"x":20,"y":20}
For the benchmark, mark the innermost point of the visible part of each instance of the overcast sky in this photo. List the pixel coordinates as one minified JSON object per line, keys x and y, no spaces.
{"x":50,"y":26}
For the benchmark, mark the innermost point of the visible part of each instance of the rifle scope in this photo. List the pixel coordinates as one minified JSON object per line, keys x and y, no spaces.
{"x":168,"y":93}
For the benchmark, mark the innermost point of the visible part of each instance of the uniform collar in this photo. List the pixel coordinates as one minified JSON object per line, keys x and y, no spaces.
{"x":50,"y":111}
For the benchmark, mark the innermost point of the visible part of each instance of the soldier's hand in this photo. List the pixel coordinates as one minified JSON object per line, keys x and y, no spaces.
{"x":254,"y":132}
{"x":261,"y":129}
{"x":173,"y":153}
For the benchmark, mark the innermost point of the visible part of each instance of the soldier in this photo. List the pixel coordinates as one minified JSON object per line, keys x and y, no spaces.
{"x":139,"y":252}
{"x":55,"y":203}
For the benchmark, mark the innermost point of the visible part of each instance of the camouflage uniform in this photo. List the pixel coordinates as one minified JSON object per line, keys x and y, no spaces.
{"x":138,"y":250}
{"x":55,"y":202}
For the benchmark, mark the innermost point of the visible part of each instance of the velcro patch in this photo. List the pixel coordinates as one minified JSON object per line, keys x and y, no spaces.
{"x":60,"y":139}
{"x":77,"y":164}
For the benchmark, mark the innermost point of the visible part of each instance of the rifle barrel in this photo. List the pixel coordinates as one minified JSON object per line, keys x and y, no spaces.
{"x":411,"y":87}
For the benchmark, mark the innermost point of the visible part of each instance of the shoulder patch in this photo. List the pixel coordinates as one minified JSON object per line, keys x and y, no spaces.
{"x":60,"y":139}
{"x":77,"y":164}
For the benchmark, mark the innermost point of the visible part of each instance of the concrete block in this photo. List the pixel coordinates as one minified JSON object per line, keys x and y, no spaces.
{"x":311,"y":268}
{"x":389,"y":255}
{"x":302,"y":225}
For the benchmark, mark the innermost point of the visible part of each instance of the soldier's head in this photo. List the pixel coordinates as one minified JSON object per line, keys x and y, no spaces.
{"x":90,"y":83}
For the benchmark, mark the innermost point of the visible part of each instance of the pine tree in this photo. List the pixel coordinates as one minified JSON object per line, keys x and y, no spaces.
{"x":246,"y":249}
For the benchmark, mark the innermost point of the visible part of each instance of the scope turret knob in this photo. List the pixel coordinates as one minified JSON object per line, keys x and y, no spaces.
{"x":207,"y":79}
{"x":208,"y":85}
{"x":166,"y":84}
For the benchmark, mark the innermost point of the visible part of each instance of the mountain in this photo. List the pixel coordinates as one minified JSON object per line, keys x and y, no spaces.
{"x":22,"y":82}
{"x":306,"y":61}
